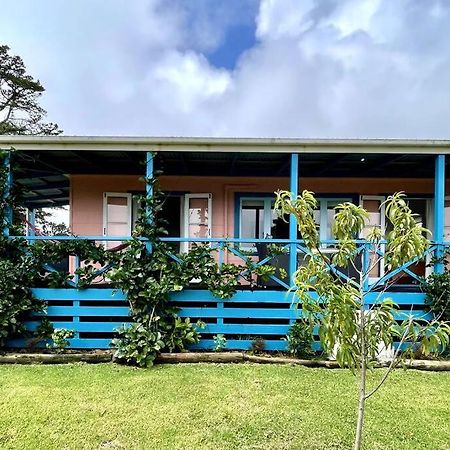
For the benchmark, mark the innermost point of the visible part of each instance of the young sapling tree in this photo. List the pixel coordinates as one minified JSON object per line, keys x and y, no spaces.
{"x":350,"y":326}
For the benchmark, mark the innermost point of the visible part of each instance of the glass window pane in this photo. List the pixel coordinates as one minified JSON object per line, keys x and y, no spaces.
{"x":117,"y":209}
{"x":252,"y":219}
{"x":373,"y":208}
{"x":198,"y":211}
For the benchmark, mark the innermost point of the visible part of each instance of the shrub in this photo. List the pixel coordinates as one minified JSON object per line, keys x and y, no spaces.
{"x":437,"y":290}
{"x":220,"y":342}
{"x":16,"y":300}
{"x":299,"y":339}
{"x":136,"y":344}
{"x":60,"y":338}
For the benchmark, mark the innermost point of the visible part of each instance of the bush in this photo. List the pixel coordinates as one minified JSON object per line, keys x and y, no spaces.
{"x":60,"y":338}
{"x":220,"y":342}
{"x":16,"y":300}
{"x":437,"y":290}
{"x":138,"y":344}
{"x":300,"y":339}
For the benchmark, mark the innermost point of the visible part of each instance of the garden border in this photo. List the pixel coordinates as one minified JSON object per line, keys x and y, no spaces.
{"x":201,"y":357}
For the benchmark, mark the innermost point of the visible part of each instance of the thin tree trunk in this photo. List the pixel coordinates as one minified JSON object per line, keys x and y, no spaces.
{"x":361,"y":405}
{"x":362,"y":384}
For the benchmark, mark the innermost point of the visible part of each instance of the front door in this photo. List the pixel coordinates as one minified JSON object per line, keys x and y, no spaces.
{"x":116,"y":215}
{"x":197,"y":217}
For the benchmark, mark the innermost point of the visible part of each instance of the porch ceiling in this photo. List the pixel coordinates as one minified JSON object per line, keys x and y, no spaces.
{"x":45,"y":174}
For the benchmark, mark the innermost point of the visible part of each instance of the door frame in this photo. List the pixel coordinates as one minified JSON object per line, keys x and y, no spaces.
{"x":185,"y":223}
{"x":126,"y":195}
{"x":381,"y":199}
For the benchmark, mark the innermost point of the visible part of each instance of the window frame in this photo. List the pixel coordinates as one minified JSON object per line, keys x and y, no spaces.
{"x":268,"y":198}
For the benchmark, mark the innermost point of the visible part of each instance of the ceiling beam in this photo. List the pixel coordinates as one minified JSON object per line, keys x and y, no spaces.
{"x":47,"y":185}
{"x":386,"y":160}
{"x":329,"y":165}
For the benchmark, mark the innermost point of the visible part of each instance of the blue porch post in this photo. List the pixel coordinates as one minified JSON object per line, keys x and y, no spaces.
{"x":439,"y":206}
{"x":31,"y":217}
{"x":6,"y":191}
{"x":149,"y":190}
{"x":292,"y":219}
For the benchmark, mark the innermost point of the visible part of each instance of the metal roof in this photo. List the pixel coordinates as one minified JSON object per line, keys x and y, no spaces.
{"x":205,"y":144}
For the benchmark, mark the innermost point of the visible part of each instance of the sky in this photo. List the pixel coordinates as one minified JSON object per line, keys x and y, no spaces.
{"x":269,"y":68}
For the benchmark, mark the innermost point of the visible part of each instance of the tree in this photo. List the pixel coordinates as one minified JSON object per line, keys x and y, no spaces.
{"x":20,"y":112}
{"x":348,"y":325}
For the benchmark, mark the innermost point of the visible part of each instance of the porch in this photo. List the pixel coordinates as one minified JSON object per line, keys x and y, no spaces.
{"x":226,"y":187}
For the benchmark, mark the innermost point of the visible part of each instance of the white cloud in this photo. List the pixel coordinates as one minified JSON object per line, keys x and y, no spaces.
{"x":187,"y":80}
{"x":336,"y":68}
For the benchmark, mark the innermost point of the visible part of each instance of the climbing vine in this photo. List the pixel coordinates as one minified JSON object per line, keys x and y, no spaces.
{"x":146,"y":269}
{"x":16,"y":300}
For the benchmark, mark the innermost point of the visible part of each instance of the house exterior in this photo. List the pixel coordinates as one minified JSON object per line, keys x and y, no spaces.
{"x":221,"y":191}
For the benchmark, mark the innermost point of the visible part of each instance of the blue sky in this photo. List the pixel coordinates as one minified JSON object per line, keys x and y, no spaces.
{"x":273,"y":68}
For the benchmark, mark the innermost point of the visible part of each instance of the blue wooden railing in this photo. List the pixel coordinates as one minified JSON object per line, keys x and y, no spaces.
{"x":95,"y":313}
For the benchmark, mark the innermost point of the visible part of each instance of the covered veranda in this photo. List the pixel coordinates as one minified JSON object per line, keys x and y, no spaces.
{"x":47,"y":165}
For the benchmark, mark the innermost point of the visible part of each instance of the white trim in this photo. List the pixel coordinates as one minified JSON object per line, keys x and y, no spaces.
{"x":105,"y":208}
{"x":185,"y":230}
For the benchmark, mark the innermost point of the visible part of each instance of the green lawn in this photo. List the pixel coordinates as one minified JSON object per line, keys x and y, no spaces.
{"x":198,"y":406}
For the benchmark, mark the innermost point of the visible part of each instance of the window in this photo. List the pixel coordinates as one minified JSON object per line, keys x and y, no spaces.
{"x":257,"y":219}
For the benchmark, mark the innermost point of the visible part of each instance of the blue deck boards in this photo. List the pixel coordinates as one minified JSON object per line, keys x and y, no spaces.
{"x":264,"y":313}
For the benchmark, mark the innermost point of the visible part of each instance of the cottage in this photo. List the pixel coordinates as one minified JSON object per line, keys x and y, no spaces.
{"x":221,"y":191}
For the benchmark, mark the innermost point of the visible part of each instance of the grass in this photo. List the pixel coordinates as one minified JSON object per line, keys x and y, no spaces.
{"x":215,"y":407}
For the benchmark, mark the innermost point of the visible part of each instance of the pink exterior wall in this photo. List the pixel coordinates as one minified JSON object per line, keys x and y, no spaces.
{"x":86,"y":199}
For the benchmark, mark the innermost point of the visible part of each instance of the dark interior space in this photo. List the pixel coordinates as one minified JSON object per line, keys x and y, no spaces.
{"x":45,"y":173}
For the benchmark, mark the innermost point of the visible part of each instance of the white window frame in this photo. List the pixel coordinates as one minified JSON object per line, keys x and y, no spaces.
{"x":185,"y":206}
{"x":267,"y":217}
{"x":381,"y":199}
{"x":106,"y":195}
{"x":323,"y":218}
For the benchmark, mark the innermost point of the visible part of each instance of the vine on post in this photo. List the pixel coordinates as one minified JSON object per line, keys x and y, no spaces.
{"x":146,"y":269}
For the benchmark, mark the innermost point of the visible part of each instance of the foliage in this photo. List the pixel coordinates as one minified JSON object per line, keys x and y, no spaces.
{"x":145,"y":269}
{"x":220,"y":342}
{"x":183,"y":334}
{"x":437,"y":290}
{"x":347,"y":325}
{"x":300,"y":338}
{"x":137,"y":344}
{"x":149,"y":273}
{"x":44,"y":221}
{"x":16,"y":301}
{"x":258,"y":345}
{"x":19,"y":93}
{"x":60,"y":338}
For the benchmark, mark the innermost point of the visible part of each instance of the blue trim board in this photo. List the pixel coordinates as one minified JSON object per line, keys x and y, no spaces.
{"x":439,"y":207}
{"x":194,"y":295}
{"x":293,"y":187}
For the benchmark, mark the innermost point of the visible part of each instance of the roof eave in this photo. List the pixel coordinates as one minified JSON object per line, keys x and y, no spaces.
{"x":204,"y":144}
